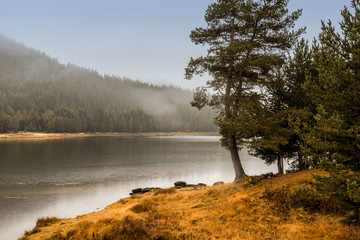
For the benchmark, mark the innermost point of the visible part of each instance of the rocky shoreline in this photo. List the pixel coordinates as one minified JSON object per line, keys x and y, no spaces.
{"x":177,"y":185}
{"x":181,"y":185}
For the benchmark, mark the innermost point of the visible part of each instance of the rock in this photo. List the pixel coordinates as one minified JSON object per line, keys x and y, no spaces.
{"x":200,"y":186}
{"x":145,"y":190}
{"x":267,"y":175}
{"x":218,"y":183}
{"x":180,"y":184}
{"x":190,"y":185}
{"x":136,"y":190}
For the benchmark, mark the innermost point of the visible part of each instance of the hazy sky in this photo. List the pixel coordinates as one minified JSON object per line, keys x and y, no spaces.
{"x":145,"y":40}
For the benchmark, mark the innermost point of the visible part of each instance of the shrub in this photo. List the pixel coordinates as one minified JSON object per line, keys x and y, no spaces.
{"x":44,"y":222}
{"x":344,"y":187}
{"x":303,"y":197}
{"x":251,"y":180}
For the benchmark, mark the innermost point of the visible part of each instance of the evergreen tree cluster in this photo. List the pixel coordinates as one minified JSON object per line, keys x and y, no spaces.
{"x":39,"y":94}
{"x":303,"y":106}
{"x":314,"y":117}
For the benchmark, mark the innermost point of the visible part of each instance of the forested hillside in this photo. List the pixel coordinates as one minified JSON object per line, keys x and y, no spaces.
{"x":37,"y":93}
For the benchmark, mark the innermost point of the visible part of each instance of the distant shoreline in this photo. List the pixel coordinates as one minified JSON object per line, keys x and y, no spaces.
{"x":46,"y":136}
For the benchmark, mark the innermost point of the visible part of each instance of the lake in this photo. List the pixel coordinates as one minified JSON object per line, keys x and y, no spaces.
{"x":70,"y":177}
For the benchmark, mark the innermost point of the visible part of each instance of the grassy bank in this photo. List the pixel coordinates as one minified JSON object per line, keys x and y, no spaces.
{"x":284,"y":207}
{"x":45,"y":136}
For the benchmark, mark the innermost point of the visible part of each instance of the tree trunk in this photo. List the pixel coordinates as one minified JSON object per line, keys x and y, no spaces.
{"x":301,"y":162}
{"x":280,"y":164}
{"x":239,"y":171}
{"x":231,"y":138}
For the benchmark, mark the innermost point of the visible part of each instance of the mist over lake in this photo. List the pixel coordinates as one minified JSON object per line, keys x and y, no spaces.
{"x":70,"y":177}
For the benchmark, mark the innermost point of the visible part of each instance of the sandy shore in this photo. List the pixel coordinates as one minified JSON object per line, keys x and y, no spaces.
{"x":45,"y":136}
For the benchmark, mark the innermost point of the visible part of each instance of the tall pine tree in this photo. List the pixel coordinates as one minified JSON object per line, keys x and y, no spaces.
{"x":245,"y":40}
{"x":274,"y":139}
{"x":277,"y":134}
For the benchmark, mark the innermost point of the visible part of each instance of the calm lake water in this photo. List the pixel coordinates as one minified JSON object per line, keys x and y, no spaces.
{"x":70,"y":177}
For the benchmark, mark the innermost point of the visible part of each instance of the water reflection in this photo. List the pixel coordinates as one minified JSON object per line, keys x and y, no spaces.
{"x":70,"y":177}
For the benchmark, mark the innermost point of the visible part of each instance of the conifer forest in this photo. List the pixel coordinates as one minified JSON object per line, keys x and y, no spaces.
{"x":38,"y":94}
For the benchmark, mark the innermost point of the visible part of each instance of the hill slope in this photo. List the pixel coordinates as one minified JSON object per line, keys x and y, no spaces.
{"x":37,"y":93}
{"x":230,"y":211}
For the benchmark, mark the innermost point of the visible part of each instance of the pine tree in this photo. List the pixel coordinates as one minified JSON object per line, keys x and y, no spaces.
{"x":277,"y":136}
{"x":296,"y":69}
{"x":274,"y":139}
{"x":246,"y":39}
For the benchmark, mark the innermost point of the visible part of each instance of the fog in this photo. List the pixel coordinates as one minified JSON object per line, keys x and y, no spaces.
{"x":41,"y":94}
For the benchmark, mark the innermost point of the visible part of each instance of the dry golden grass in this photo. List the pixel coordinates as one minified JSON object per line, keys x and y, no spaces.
{"x":230,"y":211}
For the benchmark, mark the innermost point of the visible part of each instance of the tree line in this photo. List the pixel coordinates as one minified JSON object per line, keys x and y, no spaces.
{"x":297,"y":103}
{"x":38,"y":94}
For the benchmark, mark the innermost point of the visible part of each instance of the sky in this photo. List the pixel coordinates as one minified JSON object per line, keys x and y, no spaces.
{"x":146,"y":40}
